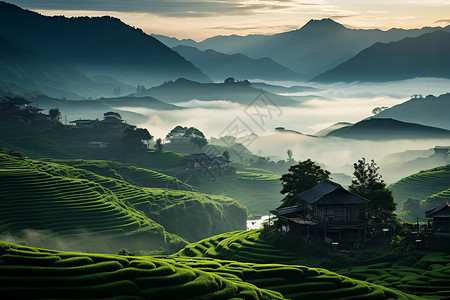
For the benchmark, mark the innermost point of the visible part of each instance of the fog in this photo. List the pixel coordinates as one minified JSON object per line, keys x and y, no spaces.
{"x":331,"y":104}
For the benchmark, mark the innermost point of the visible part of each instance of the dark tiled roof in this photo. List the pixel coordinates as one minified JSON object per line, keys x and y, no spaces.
{"x":282,"y":211}
{"x":328,"y":193}
{"x":442,"y":211}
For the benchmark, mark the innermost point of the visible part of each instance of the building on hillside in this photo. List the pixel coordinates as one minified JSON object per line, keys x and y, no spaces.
{"x":82,"y":123}
{"x":328,"y":212}
{"x":441,"y":152}
{"x":112,"y":120}
{"x":97,"y":145}
{"x":21,"y":110}
{"x":197,"y":161}
{"x":440,"y":217}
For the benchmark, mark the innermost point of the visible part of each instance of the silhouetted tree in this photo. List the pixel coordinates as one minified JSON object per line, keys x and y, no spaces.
{"x":135,"y":137}
{"x":112,"y":113}
{"x":367,"y":183}
{"x":229,"y":80}
{"x":301,"y":177}
{"x":289,"y":153}
{"x":159,"y":145}
{"x":54,"y":114}
{"x":192,"y":134}
{"x":226,"y":155}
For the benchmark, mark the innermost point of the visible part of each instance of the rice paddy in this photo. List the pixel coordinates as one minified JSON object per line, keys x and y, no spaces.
{"x":38,"y":273}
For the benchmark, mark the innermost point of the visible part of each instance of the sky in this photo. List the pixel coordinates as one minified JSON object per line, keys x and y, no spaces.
{"x":200,"y":19}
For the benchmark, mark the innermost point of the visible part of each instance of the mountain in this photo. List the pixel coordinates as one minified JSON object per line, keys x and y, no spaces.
{"x":219,"y":66}
{"x":389,"y":129}
{"x":185,"y":90}
{"x":25,"y":71}
{"x":429,"y":110}
{"x":311,"y":50}
{"x":331,"y":128}
{"x":423,"y":56}
{"x":100,"y":45}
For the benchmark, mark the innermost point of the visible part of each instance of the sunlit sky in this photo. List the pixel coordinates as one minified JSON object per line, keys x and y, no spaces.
{"x":200,"y":19}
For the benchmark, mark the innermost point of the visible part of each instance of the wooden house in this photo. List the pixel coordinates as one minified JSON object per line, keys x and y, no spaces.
{"x":440,"y":217}
{"x":328,"y":211}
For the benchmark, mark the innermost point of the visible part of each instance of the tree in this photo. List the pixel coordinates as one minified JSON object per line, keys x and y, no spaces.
{"x":301,"y":177}
{"x":159,"y":145}
{"x":54,"y":114}
{"x":367,"y":183}
{"x":289,"y":153}
{"x":135,"y":137}
{"x":226,"y":155}
{"x":229,"y":80}
{"x":112,"y":114}
{"x":192,"y":134}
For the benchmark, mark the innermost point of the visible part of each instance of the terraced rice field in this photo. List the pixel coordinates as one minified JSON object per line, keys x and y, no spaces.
{"x":131,"y":174}
{"x":31,"y":273}
{"x":37,"y":273}
{"x":422,"y":185}
{"x":49,"y":196}
{"x":427,"y":278}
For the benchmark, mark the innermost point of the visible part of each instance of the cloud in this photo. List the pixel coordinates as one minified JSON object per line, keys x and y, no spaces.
{"x":445,"y":21}
{"x":171,"y":8}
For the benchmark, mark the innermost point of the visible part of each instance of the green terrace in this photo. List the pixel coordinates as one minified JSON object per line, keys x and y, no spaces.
{"x":54,"y":192}
{"x":29,"y":272}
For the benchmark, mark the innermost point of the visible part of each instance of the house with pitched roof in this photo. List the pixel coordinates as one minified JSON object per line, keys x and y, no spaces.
{"x":440,"y":218}
{"x":328,"y":211}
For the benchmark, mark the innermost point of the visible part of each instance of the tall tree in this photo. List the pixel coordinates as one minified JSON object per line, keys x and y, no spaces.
{"x":135,"y":138}
{"x":159,"y":145}
{"x":367,"y":183}
{"x":301,"y":177}
{"x":54,"y":114}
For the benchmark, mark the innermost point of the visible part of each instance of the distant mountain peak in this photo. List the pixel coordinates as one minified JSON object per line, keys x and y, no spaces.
{"x":323,"y":24}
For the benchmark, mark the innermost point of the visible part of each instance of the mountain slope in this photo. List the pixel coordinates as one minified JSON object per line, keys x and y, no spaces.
{"x":423,"y":56}
{"x":431,"y":111}
{"x":389,"y":129}
{"x":184,"y":90}
{"x":102,"y":45}
{"x":318,"y":46}
{"x":219,"y":66}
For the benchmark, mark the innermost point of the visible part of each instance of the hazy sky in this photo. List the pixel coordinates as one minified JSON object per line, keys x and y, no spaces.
{"x":199,"y":19}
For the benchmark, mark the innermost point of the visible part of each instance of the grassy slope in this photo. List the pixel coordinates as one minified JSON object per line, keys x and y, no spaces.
{"x":175,"y":210}
{"x":431,"y":187}
{"x":38,"y":273}
{"x":427,"y":276}
{"x":422,"y":184}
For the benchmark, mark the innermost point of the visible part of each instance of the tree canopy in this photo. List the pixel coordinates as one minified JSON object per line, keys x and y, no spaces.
{"x":135,"y":137}
{"x":367,"y":183}
{"x":192,"y":134}
{"x":301,"y":177}
{"x":54,"y":114}
{"x":113,"y":114}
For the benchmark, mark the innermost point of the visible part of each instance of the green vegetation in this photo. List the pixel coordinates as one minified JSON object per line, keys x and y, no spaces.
{"x":36,"y":273}
{"x":66,"y":200}
{"x":32,"y":272}
{"x":427,"y":277}
{"x":422,"y":191}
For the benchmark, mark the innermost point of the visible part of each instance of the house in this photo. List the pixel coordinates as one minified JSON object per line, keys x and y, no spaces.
{"x":440,"y":216}
{"x":112,"y":120}
{"x":98,"y":145}
{"x":21,"y":110}
{"x":197,"y":161}
{"x":328,"y":212}
{"x":82,"y":123}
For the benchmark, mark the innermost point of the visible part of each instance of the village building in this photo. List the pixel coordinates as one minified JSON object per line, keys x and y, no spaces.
{"x":82,"y":123}
{"x":21,"y":110}
{"x":112,"y":120}
{"x":440,"y":219}
{"x":328,"y":213}
{"x":97,"y":145}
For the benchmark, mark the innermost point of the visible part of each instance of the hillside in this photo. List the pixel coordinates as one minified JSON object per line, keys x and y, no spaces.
{"x":219,"y":66}
{"x":311,"y":50}
{"x":389,"y":129}
{"x":429,"y":110}
{"x":412,"y":273}
{"x":107,"y":205}
{"x":423,"y":56}
{"x":93,"y":109}
{"x":99,"y":45}
{"x":184,"y":90}
{"x":429,"y":188}
{"x":41,"y":273}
